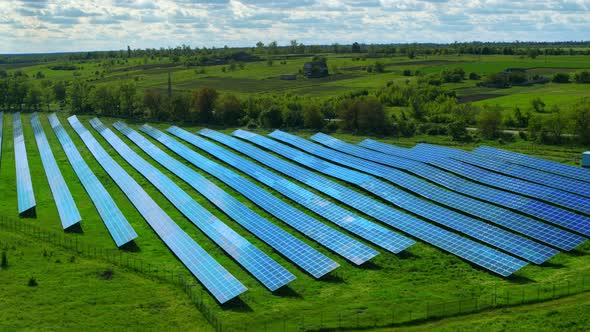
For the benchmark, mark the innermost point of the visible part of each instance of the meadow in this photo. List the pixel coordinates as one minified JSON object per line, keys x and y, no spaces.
{"x":421,"y":275}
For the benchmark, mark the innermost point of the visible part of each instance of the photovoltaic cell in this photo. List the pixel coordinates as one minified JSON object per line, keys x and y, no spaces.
{"x":512,"y":243}
{"x":119,"y":228}
{"x":24,"y":185}
{"x":222,"y":285}
{"x":265,"y":269}
{"x":330,"y":238}
{"x":66,"y":207}
{"x":469,"y":250}
{"x":416,"y":163}
{"x":370,"y":231}
{"x":549,"y":166}
{"x":294,"y":249}
{"x":534,"y":190}
{"x":493,"y":164}
{"x":374,"y":163}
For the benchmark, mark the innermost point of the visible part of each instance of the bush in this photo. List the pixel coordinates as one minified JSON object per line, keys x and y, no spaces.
{"x":561,"y":78}
{"x":582,"y":77}
{"x":32,"y":282}
{"x":4,"y":263}
{"x":474,"y":76}
{"x":407,"y":72}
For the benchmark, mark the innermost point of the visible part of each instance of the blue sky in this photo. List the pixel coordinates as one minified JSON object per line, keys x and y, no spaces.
{"x":28,"y":26}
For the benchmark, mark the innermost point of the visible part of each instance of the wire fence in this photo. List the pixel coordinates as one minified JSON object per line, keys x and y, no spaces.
{"x":386,"y":315}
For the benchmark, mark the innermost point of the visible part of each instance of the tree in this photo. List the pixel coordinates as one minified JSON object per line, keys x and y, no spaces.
{"x":582,"y":77}
{"x":105,"y":100}
{"x":203,"y":101}
{"x":152,"y":100}
{"x":33,"y":98}
{"x":59,"y":90}
{"x":538,"y":105}
{"x":127,"y":99}
{"x":581,"y":120}
{"x":293,"y":46}
{"x":79,"y":97}
{"x":356,"y":47}
{"x":271,"y":117}
{"x":312,"y":116}
{"x":180,"y":107}
{"x":364,"y":114}
{"x":379,"y":67}
{"x":561,"y":78}
{"x":489,"y":121}
{"x":556,"y":124}
{"x":128,"y":51}
{"x":228,"y":110}
{"x":458,"y":131}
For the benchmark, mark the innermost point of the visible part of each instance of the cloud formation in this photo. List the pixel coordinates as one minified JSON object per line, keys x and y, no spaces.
{"x":79,"y":25}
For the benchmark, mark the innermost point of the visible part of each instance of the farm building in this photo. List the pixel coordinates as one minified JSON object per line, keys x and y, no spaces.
{"x":315,"y":69}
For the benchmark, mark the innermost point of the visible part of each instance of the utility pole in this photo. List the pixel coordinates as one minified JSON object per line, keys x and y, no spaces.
{"x":169,"y":86}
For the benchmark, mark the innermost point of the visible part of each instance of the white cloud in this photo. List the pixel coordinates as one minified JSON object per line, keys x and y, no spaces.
{"x":78,"y":25}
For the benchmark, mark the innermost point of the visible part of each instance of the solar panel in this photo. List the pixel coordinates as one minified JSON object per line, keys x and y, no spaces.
{"x":119,"y":228}
{"x":265,"y":269}
{"x":534,"y":190}
{"x":469,"y":250}
{"x":407,"y":160}
{"x":512,"y":243}
{"x":66,"y":207}
{"x":24,"y":185}
{"x":486,"y":162}
{"x":374,"y":163}
{"x":537,"y":163}
{"x":297,"y":251}
{"x":222,"y":285}
{"x":327,"y":236}
{"x":370,"y":231}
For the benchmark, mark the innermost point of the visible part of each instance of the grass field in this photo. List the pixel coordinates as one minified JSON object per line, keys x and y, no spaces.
{"x":422,"y":274}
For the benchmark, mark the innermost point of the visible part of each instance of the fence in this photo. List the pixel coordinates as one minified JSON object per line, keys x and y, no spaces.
{"x":386,"y":315}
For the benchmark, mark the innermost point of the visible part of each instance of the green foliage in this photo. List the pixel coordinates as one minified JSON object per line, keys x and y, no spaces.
{"x":538,"y":105}
{"x":312,"y":116}
{"x":561,"y":78}
{"x":4,"y":263}
{"x":203,"y":101}
{"x":271,"y":117}
{"x":32,"y":282}
{"x":228,"y":110}
{"x":489,"y":121}
{"x":455,"y":75}
{"x":474,"y":76}
{"x":363,"y":115}
{"x":79,"y":97}
{"x":581,"y":120}
{"x":582,"y":77}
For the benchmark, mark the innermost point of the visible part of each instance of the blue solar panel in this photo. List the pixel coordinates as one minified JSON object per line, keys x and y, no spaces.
{"x":551,"y":195}
{"x":265,"y":269}
{"x":370,"y":231}
{"x":506,"y":218}
{"x":486,"y":162}
{"x":297,"y":251}
{"x":537,"y":163}
{"x":66,"y":207}
{"x":474,"y":252}
{"x":407,"y":160}
{"x":497,"y":237}
{"x":24,"y":185}
{"x":332,"y":239}
{"x":222,"y":285}
{"x":119,"y":228}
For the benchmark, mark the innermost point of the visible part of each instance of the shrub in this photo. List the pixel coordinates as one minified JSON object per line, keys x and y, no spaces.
{"x":407,"y":72}
{"x":32,"y":282}
{"x":474,"y":76}
{"x":582,"y":77}
{"x":561,"y":78}
{"x":4,"y":263}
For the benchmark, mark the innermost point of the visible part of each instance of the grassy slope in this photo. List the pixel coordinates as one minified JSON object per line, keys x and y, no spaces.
{"x":74,"y":294}
{"x":393,"y":281}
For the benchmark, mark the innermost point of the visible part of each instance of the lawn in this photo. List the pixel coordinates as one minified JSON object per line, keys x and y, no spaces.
{"x":410,"y":280}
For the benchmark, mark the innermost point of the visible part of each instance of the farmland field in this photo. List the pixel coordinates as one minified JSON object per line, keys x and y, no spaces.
{"x":408,"y":281}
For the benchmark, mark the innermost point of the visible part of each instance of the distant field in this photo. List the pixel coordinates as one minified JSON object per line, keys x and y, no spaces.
{"x":391,"y":282}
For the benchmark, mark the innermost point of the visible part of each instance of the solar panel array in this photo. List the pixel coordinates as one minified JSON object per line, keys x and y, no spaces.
{"x":551,"y":195}
{"x":265,"y":269}
{"x":484,"y":232}
{"x":511,"y":220}
{"x":327,"y":236}
{"x":537,"y":163}
{"x":469,"y":250}
{"x":24,"y":185}
{"x":407,"y":160}
{"x":222,"y":285}
{"x":66,"y":207}
{"x":368,"y":230}
{"x":119,"y":228}
{"x":294,"y":249}
{"x":548,"y":179}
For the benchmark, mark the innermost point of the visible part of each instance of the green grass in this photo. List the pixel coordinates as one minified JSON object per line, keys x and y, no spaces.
{"x":424,"y":273}
{"x":76,"y":293}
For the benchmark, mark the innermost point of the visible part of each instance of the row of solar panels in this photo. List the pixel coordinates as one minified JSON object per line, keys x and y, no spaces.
{"x":375,"y":172}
